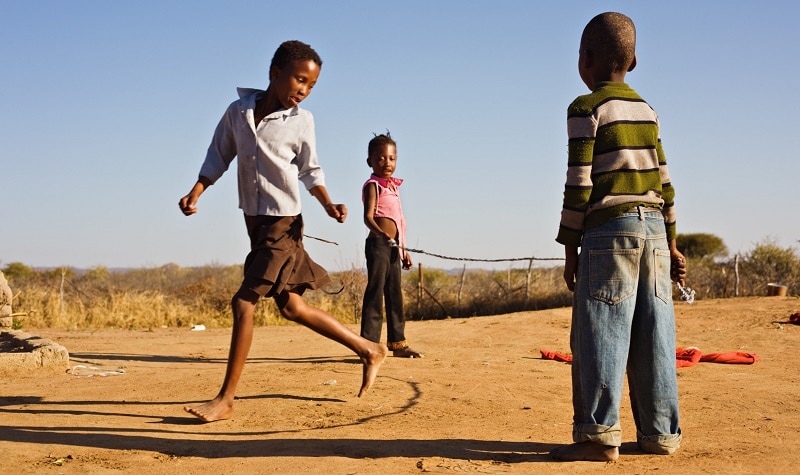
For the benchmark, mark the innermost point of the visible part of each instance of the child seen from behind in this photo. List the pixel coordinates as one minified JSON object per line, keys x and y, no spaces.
{"x":619,"y":210}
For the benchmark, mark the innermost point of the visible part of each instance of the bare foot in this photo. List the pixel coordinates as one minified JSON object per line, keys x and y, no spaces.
{"x":406,"y":352}
{"x":215,"y":410}
{"x":372,"y":362}
{"x":586,"y":451}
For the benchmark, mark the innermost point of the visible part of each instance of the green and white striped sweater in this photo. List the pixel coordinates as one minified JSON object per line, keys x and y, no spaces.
{"x":615,"y":161}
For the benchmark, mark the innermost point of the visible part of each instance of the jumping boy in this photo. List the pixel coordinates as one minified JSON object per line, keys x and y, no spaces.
{"x":618,"y":208}
{"x":274,"y":141}
{"x":384,"y":249}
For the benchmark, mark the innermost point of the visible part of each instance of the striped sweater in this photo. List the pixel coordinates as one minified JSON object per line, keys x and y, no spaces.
{"x":615,"y":161}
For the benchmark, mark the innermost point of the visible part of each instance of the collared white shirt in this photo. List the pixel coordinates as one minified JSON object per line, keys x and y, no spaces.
{"x":273,"y":156}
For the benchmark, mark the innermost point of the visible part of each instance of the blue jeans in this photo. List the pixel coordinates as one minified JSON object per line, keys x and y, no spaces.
{"x":623,"y":320}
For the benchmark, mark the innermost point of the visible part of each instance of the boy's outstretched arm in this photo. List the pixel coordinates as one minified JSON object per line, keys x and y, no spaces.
{"x":334,"y":210}
{"x":570,"y":266}
{"x":188,"y":203}
{"x":677,"y":268}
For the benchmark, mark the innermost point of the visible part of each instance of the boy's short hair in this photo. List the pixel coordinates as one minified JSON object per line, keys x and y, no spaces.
{"x":293,"y":50}
{"x":380,"y":141}
{"x":611,"y":38}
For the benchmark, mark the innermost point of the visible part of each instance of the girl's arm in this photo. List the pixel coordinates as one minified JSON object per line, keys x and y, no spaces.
{"x":370,"y":201}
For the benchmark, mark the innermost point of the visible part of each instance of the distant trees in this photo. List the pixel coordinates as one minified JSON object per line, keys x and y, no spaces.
{"x":17,"y":270}
{"x":701,"y":246}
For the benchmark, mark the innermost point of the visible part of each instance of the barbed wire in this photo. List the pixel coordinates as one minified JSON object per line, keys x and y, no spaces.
{"x":451,"y":258}
{"x":474,"y":259}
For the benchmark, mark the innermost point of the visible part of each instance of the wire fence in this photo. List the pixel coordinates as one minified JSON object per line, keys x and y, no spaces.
{"x":442,"y":294}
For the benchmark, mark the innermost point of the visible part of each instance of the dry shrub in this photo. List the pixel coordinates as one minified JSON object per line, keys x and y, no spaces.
{"x":174,"y":296}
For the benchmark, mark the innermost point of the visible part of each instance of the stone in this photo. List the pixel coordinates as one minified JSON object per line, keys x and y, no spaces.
{"x":22,"y":351}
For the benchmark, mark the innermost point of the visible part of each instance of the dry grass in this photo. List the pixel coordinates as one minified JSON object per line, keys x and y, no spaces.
{"x":172,"y":296}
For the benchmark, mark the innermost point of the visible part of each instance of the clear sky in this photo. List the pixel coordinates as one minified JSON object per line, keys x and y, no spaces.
{"x":108,"y":108}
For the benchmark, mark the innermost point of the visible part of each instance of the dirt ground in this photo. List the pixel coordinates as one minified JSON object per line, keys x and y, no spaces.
{"x":481,"y":401}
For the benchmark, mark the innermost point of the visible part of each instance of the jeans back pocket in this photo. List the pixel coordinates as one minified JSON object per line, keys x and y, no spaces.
{"x":613,"y":274}
{"x":663,"y":279}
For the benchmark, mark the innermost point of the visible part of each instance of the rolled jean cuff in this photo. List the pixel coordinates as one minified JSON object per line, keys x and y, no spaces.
{"x":659,"y":444}
{"x":599,"y":434}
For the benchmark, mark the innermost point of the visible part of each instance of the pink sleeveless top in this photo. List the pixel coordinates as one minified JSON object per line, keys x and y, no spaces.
{"x":388,"y":205}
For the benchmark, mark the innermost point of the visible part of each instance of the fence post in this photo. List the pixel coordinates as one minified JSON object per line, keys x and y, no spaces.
{"x":736,"y":274}
{"x":528,"y":283}
{"x":419,"y":291}
{"x":460,"y":288}
{"x":61,"y":293}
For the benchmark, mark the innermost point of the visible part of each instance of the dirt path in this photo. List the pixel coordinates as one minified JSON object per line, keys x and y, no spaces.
{"x":481,"y":401}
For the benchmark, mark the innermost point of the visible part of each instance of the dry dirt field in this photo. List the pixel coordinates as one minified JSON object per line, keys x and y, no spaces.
{"x":481,"y":401}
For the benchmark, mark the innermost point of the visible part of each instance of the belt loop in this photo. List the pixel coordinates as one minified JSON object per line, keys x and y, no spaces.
{"x":640,"y":208}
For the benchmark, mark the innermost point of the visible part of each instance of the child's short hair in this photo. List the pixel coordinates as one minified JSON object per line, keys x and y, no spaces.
{"x":293,"y":50}
{"x":380,"y":141}
{"x":611,"y":38}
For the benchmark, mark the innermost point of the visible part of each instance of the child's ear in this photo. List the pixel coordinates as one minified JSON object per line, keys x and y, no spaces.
{"x":586,"y":58}
{"x":633,"y":64}
{"x":369,"y":162}
{"x":273,"y":72}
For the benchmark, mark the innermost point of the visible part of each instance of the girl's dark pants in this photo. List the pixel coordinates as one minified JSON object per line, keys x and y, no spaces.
{"x":383,"y":285}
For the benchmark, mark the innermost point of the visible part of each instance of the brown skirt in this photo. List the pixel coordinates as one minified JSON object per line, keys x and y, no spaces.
{"x":277,"y":261}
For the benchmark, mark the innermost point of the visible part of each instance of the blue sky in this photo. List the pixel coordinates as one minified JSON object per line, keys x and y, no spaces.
{"x":108,"y":108}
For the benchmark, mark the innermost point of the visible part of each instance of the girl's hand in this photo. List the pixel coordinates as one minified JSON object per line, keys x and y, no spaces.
{"x":188,"y":204}
{"x":407,"y":262}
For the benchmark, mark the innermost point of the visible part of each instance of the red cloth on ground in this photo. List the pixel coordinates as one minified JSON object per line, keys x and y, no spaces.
{"x":687,"y":357}
{"x":795,"y":318}
{"x":733,"y":357}
{"x":552,"y":355}
{"x":683,"y":357}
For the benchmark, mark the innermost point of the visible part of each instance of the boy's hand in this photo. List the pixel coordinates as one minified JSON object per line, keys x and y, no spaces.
{"x":336,"y":211}
{"x":677,"y":268}
{"x":570,"y":266}
{"x":407,"y":262}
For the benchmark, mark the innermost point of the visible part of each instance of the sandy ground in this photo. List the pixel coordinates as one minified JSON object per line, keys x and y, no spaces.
{"x":481,"y":401}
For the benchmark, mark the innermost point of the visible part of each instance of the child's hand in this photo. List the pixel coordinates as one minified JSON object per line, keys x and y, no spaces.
{"x":188,"y":204}
{"x":570,"y":266}
{"x":336,"y":211}
{"x":677,"y":268}
{"x":407,"y":262}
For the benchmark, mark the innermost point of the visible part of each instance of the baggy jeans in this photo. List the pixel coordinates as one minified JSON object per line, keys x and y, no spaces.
{"x":623,"y":320}
{"x":384,"y":285}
